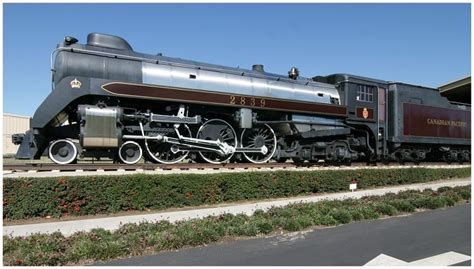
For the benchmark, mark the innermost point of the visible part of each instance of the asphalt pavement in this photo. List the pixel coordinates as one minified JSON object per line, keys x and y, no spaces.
{"x":406,"y":239}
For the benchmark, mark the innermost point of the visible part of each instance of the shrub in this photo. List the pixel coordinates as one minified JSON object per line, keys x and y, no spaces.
{"x":356,"y":214}
{"x":449,"y":201}
{"x":453,"y":196}
{"x":326,"y":220}
{"x":385,"y":209}
{"x":369,"y":212}
{"x":429,"y":202}
{"x":444,"y":189}
{"x":79,"y":195}
{"x":297,"y":223}
{"x":409,"y":194}
{"x":465,"y":193}
{"x":402,"y":205}
{"x":264,"y":225}
{"x":248,"y":229}
{"x":341,"y":215}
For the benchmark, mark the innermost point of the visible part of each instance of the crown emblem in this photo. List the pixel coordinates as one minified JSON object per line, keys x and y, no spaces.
{"x":365,"y":113}
{"x":76,"y":84}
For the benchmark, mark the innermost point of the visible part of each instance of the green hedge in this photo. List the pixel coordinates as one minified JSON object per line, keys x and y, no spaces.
{"x":39,"y":197}
{"x":145,"y":238}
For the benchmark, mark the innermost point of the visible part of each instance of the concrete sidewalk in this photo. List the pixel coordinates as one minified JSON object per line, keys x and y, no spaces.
{"x":113,"y":223}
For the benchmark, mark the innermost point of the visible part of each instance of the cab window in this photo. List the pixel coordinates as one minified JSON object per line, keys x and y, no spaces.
{"x":365,"y":93}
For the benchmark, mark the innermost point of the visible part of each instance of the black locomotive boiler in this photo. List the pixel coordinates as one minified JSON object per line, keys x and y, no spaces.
{"x":109,"y":101}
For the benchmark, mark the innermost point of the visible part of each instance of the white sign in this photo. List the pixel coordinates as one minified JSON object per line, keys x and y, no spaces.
{"x":353,"y":186}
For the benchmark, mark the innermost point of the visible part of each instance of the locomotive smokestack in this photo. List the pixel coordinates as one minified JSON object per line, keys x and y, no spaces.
{"x":293,"y":73}
{"x":258,"y":68}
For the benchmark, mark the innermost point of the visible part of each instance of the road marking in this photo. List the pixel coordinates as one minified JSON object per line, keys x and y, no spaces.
{"x":385,"y":260}
{"x":289,"y":237}
{"x":445,"y":259}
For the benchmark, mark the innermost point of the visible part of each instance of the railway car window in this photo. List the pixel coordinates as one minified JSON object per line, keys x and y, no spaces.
{"x":365,"y":93}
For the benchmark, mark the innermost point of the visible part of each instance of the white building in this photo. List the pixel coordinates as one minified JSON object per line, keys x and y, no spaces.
{"x":13,"y":124}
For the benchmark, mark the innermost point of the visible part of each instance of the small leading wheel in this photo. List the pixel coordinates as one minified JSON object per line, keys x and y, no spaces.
{"x":63,"y":151}
{"x":130,"y":152}
{"x":217,"y":129}
{"x":167,"y":153}
{"x":258,"y":137}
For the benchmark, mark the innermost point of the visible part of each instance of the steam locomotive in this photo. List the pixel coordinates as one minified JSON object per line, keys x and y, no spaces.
{"x":109,"y":101}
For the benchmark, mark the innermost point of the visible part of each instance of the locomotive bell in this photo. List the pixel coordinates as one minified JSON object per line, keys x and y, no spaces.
{"x":293,"y":73}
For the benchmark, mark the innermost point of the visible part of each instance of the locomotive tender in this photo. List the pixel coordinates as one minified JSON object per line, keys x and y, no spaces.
{"x":110,"y":101}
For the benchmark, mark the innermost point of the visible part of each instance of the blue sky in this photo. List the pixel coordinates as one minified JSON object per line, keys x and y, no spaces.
{"x":424,"y":44}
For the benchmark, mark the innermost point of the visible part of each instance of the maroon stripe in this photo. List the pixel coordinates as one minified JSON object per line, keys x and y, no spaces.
{"x":192,"y":96}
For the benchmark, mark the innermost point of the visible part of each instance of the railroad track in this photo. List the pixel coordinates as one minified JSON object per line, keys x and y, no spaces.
{"x":145,"y":166}
{"x":102,"y":167}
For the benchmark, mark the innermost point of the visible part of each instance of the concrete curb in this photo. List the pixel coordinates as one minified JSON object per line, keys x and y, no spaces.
{"x":112,"y":223}
{"x":35,"y":174}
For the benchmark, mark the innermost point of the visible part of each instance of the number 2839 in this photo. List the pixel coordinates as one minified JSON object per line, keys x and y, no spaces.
{"x":246,"y":101}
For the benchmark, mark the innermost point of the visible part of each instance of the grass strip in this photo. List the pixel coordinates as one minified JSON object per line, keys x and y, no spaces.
{"x":78,"y":196}
{"x":145,"y":238}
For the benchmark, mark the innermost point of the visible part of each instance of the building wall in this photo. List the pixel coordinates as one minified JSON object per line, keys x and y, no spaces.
{"x":13,"y":124}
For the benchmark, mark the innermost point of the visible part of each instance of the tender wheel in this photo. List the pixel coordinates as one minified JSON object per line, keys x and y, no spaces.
{"x":167,"y":153}
{"x":213,"y":130}
{"x":130,"y":152}
{"x":400,"y":158}
{"x":459,"y":158}
{"x":258,"y":137}
{"x":63,"y":151}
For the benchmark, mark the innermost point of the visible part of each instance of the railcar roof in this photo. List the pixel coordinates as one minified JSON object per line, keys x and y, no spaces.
{"x":411,"y":85}
{"x":355,"y":77}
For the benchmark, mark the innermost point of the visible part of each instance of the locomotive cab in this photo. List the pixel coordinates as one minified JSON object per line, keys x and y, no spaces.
{"x":365,"y":99}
